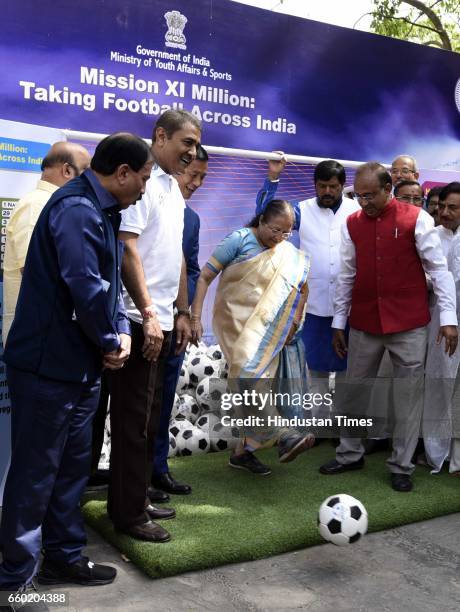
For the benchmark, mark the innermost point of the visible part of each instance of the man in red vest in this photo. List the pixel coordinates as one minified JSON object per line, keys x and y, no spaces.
{"x":387,"y":247}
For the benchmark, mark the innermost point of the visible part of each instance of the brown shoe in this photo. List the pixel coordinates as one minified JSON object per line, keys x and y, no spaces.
{"x":148,"y":531}
{"x":160,"y":513}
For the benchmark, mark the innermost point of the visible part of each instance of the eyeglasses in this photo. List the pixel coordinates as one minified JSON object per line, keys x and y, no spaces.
{"x":277,"y":232}
{"x":418,"y":200}
{"x":367,"y":197}
{"x":401,"y":171}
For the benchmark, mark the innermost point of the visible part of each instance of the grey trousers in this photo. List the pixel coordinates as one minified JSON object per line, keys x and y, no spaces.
{"x":319,"y":383}
{"x":407,"y":352}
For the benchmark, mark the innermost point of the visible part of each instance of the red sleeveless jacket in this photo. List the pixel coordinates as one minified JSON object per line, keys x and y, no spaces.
{"x":390,"y":293}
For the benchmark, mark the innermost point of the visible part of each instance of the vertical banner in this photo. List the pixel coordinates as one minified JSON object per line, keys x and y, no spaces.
{"x":22,"y":148}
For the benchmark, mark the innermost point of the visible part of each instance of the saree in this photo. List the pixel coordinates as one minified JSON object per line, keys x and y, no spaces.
{"x":255,"y":304}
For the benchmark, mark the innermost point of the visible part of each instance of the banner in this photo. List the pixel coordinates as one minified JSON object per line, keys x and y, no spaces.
{"x":257,"y":79}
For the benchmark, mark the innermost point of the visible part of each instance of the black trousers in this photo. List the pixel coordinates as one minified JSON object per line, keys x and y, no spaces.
{"x":135,"y":406}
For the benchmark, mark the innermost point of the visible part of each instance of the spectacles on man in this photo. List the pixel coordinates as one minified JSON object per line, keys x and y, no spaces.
{"x":417,"y":200}
{"x":277,"y":232}
{"x":366,"y":197}
{"x":402,"y":171}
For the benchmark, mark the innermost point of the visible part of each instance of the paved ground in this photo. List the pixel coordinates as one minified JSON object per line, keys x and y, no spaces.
{"x":414,"y":568}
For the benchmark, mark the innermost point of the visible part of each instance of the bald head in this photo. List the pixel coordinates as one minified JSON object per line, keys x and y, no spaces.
{"x":64,"y":161}
{"x":404,"y":168}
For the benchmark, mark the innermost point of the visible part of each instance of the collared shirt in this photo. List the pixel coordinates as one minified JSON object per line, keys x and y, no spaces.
{"x":18,"y":232}
{"x":434,"y":263}
{"x":79,"y":262}
{"x":319,"y":233}
{"x":158,"y":220}
{"x":446,"y":236}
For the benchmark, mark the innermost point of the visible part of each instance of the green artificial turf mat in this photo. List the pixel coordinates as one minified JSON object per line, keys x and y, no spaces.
{"x":234,"y":516}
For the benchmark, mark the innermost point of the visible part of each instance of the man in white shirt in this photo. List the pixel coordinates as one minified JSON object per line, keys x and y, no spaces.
{"x":155,"y":279}
{"x":318,"y":221}
{"x":63,"y":162}
{"x":441,"y":370}
{"x":386,"y":250}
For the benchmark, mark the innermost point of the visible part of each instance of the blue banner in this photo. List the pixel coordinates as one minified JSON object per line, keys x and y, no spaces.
{"x":257,"y":79}
{"x":24,"y":155}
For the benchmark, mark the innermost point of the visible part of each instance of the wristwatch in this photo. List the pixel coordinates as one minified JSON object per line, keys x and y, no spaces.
{"x":185,"y":313}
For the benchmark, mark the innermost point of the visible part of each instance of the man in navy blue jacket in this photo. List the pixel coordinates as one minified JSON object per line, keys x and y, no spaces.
{"x":69,"y":325}
{"x":162,"y":480}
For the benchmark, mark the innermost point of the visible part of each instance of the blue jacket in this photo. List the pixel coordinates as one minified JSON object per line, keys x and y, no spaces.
{"x":69,"y":310}
{"x":190,"y":248}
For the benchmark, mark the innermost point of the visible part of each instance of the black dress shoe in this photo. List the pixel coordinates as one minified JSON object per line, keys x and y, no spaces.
{"x":156,"y":496}
{"x":160,"y":513}
{"x":166,"y":482}
{"x":334,"y":467}
{"x":401,"y":483}
{"x":83,"y":572}
{"x":148,"y":531}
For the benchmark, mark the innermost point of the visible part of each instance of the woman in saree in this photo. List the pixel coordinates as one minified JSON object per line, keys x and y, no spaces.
{"x":258,"y":309}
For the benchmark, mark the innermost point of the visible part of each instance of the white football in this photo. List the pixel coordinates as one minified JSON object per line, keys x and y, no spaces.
{"x":206,"y":421}
{"x":200,"y":366}
{"x":214,"y":352}
{"x":209,"y":394}
{"x":193,"y":350}
{"x":177,"y":425}
{"x":342,"y":519}
{"x":172,"y":446}
{"x":223,"y":437}
{"x":175,"y":407}
{"x":188,"y":408}
{"x":184,"y":380}
{"x":192,"y":441}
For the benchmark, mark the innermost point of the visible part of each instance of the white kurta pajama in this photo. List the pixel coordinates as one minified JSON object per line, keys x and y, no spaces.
{"x":440,"y":370}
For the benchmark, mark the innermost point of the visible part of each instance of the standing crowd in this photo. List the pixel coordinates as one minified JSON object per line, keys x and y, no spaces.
{"x":103,"y":292}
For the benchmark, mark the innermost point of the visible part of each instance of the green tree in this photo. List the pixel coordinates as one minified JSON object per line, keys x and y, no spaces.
{"x":432,"y":22}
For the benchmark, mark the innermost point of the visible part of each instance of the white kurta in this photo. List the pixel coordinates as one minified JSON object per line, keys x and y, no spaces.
{"x":441,"y":370}
{"x":319,"y":234}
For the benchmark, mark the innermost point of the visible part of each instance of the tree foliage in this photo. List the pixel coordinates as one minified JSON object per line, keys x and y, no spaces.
{"x":430,"y":22}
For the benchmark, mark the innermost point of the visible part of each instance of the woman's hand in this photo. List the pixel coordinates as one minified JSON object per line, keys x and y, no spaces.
{"x":197,"y":330}
{"x":292,"y":332}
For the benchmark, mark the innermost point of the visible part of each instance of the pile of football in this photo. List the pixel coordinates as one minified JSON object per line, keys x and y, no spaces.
{"x":194,"y":426}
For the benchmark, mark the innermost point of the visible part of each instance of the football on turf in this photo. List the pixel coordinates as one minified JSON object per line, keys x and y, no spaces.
{"x":342,"y":519}
{"x":191,"y":441}
{"x":223,"y":437}
{"x":172,"y":446}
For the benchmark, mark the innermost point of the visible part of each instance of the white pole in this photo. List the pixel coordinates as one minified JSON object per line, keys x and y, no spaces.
{"x":301,"y":159}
